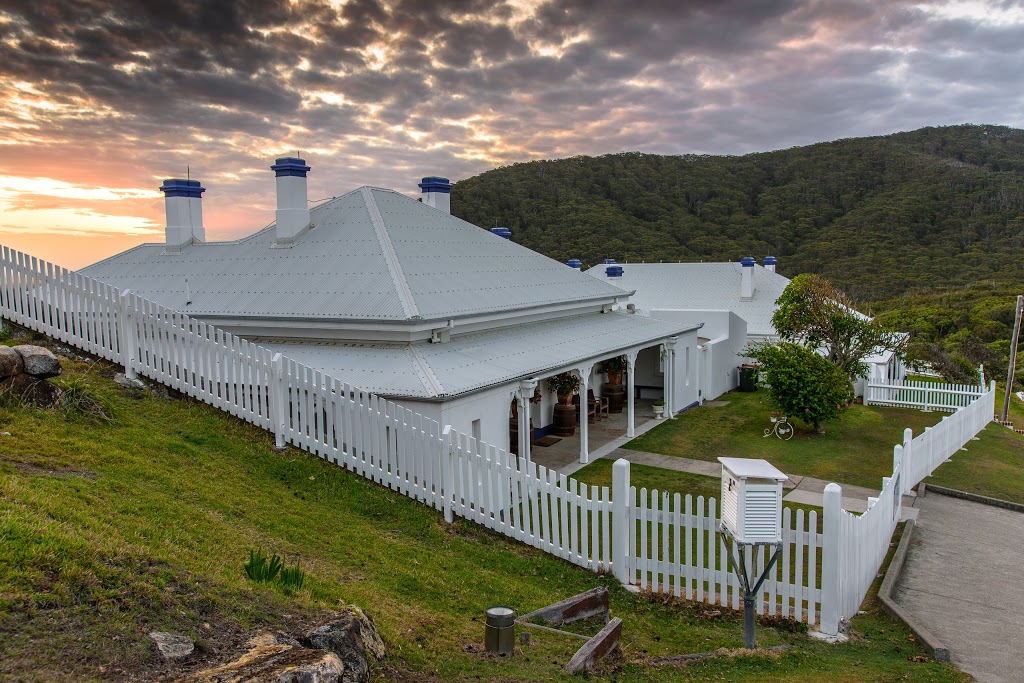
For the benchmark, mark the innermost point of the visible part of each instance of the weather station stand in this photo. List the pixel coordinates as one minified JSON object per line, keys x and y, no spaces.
{"x":751,"y":517}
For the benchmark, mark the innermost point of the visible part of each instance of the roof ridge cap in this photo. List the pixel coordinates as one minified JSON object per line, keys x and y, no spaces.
{"x":430,"y":381}
{"x":394,"y":267}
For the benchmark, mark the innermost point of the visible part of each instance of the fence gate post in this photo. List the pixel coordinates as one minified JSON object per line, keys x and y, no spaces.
{"x":448,"y":474}
{"x":620,"y":519}
{"x":831,"y":597}
{"x":278,"y":400}
{"x":127,"y":344}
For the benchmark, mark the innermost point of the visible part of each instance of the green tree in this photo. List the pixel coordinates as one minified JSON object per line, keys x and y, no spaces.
{"x":803,"y":383}
{"x":815,"y":314}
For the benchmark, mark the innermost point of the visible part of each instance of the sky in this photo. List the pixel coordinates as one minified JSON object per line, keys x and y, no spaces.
{"x":100,"y":101}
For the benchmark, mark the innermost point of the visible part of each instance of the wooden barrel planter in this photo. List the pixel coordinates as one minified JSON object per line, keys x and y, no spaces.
{"x":564,"y":421}
{"x":616,"y":395}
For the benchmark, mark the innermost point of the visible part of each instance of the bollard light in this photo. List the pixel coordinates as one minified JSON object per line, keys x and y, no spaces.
{"x":499,"y":631}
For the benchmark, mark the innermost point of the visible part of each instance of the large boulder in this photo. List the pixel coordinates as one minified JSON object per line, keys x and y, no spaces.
{"x":351,"y":636}
{"x":38,"y":392}
{"x":10,"y":362}
{"x":39,"y":362}
{"x":275,"y":664}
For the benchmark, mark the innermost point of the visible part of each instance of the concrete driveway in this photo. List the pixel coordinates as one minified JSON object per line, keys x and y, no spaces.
{"x":964,"y":581}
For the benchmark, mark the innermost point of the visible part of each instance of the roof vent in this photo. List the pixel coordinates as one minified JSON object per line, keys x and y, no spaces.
{"x":769,"y":263}
{"x":292,"y":205}
{"x":502,"y":232}
{"x":609,"y":261}
{"x":183,"y":200}
{"x":747,"y":278}
{"x":575,"y":263}
{"x":437,"y":192}
{"x":613,"y":271}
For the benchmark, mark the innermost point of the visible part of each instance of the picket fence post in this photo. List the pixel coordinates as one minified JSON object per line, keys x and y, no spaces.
{"x":278,"y":399}
{"x":620,"y":518}
{"x":831,"y":598}
{"x":448,"y":473}
{"x":128,"y":343}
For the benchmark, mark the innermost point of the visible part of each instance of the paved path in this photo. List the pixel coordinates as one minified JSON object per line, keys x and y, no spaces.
{"x":962,"y":580}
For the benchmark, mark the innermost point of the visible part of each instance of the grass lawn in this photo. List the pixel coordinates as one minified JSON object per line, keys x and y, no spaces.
{"x":857,"y":449}
{"x":992,"y":466}
{"x":110,"y":531}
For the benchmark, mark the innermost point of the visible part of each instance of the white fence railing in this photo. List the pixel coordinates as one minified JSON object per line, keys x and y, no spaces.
{"x":661,"y":542}
{"x":922,"y":394}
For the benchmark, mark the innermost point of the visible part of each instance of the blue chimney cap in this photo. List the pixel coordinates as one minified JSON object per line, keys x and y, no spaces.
{"x":574,"y":263}
{"x":613,"y":271}
{"x":293,"y":166}
{"x":502,"y":232}
{"x":747,"y":262}
{"x":769,"y":260}
{"x":177,"y":187}
{"x":435,"y":183}
{"x":608,"y":261}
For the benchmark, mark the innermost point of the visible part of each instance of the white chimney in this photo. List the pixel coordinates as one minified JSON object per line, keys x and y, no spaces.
{"x":437,"y":192}
{"x":292,"y":205}
{"x":183,"y":200}
{"x":769,"y":263}
{"x":747,"y":279}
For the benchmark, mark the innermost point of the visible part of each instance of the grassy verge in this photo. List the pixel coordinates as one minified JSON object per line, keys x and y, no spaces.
{"x":857,"y":449}
{"x":991,"y":466}
{"x":110,"y":531}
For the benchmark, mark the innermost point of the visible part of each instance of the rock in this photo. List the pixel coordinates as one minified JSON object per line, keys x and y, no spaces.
{"x":39,"y":362}
{"x":38,"y":392}
{"x":10,"y":362}
{"x":130,"y":383}
{"x":276,"y":664}
{"x":172,"y":646}
{"x":350,"y":635}
{"x":272,"y":638}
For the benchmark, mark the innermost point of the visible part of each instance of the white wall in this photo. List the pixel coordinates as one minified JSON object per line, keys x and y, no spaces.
{"x":685,"y":392}
{"x":491,"y":407}
{"x":727,"y":333}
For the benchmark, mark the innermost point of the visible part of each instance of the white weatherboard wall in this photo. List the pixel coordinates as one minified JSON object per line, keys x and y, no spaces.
{"x":661,"y":542}
{"x":727,"y":335}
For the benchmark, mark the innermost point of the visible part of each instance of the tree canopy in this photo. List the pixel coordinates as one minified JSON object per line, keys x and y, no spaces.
{"x":814,"y":313}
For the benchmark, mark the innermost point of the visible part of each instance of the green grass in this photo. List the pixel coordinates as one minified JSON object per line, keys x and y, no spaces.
{"x":992,"y":466}
{"x":857,"y":449}
{"x":109,"y":531}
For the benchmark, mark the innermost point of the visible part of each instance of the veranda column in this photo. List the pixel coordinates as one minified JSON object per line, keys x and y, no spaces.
{"x":526,"y":388}
{"x":671,"y":404}
{"x":630,"y":389}
{"x":584,"y":410}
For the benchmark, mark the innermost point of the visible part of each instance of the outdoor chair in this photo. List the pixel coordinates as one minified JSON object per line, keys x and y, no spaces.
{"x":591,"y":409}
{"x":601,"y":404}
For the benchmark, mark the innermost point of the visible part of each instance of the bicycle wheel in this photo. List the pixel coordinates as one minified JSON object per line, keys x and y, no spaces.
{"x":784,"y":431}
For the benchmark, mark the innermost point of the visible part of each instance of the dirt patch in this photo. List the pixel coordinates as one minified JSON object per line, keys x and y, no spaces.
{"x":58,"y":473}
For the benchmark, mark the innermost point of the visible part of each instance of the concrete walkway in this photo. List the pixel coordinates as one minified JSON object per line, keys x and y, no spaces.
{"x":962,"y":581}
{"x":801,"y":490}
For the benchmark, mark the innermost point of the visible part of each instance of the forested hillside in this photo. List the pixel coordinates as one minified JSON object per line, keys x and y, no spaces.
{"x":902,"y":222}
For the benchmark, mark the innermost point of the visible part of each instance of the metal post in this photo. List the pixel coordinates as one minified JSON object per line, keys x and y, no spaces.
{"x":750,"y":591}
{"x":1013,"y":358}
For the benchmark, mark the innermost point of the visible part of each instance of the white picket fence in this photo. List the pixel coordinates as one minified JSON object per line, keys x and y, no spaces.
{"x":922,"y":394}
{"x":659,"y":542}
{"x":853,"y":555}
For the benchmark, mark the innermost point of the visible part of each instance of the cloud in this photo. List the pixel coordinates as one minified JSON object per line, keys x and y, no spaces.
{"x":120,"y":95}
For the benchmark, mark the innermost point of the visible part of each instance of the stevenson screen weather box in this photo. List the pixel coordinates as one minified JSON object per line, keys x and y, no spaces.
{"x":752,"y":500}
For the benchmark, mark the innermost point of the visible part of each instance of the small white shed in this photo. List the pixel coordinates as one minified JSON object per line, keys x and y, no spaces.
{"x":752,"y":500}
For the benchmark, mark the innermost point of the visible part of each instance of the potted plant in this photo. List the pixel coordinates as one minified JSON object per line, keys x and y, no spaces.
{"x":614,"y":367}
{"x":659,"y":408}
{"x":564,"y":384}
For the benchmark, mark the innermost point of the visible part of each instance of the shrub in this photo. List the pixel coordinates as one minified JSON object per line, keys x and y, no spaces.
{"x":803,"y":383}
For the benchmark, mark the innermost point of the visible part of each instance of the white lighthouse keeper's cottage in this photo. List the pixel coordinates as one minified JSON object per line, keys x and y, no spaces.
{"x":400,"y":298}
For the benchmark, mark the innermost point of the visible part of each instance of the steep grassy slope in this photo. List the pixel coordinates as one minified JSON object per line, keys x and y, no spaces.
{"x":108,"y":531}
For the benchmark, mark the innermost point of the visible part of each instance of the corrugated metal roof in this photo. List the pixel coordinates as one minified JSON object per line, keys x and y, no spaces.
{"x":475,"y":361}
{"x":414,"y":261}
{"x":701,"y":286}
